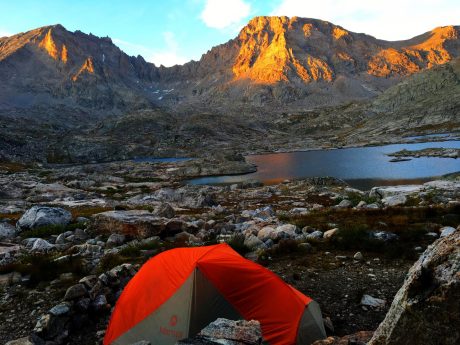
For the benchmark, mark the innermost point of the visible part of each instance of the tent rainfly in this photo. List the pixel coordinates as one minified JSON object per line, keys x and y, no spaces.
{"x":179,"y":292}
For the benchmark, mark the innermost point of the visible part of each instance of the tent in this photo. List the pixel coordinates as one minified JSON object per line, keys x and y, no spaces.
{"x":177,"y":293}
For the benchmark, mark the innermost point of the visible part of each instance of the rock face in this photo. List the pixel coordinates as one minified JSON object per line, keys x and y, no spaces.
{"x":426,"y":310}
{"x":38,"y":216}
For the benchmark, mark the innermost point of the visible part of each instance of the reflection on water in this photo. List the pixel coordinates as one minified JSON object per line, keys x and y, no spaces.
{"x":362,"y":167}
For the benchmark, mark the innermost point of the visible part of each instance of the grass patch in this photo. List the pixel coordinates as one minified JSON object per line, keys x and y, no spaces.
{"x":42,"y":267}
{"x":49,"y":230}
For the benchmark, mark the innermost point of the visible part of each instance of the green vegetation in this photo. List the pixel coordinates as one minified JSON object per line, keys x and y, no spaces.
{"x":48,"y":230}
{"x":237,"y":244}
{"x":44,"y":267}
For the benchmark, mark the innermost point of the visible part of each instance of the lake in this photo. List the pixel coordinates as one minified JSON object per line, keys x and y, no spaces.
{"x":361,"y":167}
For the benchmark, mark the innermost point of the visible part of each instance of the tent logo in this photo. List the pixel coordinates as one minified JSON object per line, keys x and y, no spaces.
{"x":173,"y":320}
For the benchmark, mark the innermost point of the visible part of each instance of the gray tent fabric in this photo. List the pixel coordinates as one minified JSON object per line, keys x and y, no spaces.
{"x":196,"y":304}
{"x":311,"y":325}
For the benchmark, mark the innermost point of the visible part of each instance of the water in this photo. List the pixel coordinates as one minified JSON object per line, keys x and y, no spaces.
{"x":361,"y":167}
{"x":160,"y":160}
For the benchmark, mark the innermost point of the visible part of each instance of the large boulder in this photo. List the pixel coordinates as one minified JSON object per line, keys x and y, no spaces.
{"x":39,"y":216}
{"x":426,"y":310}
{"x":134,"y":223}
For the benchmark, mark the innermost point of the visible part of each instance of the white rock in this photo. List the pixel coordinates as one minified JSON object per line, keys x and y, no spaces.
{"x":395,"y":200}
{"x":373,"y":302}
{"x":446,"y":231}
{"x":41,"y":245}
{"x":330,"y":233}
{"x":38,"y":216}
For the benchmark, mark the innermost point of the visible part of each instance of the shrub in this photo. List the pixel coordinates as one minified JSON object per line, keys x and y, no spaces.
{"x":49,"y":230}
{"x":237,"y":244}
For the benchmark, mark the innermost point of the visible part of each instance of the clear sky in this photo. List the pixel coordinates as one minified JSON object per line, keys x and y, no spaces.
{"x":175,"y":31}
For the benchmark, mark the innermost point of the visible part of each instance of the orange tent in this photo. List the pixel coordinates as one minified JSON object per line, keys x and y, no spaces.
{"x":177,"y":293}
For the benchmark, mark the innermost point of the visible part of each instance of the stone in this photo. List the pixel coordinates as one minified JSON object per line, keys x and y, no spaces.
{"x":395,"y":200}
{"x":358,"y":256}
{"x":165,"y":210}
{"x":136,"y":223}
{"x":361,"y":204}
{"x":253,"y":242}
{"x":41,"y":245}
{"x":7,"y":231}
{"x":345,"y":204}
{"x":369,"y":301}
{"x":242,"y":331}
{"x":446,"y":231}
{"x":99,"y":303}
{"x":426,"y":309}
{"x":330,"y":233}
{"x":115,"y":240}
{"x":60,"y":309}
{"x":384,"y":236}
{"x":89,"y":281}
{"x":80,"y":235}
{"x":267,"y":232}
{"x":60,"y":239}
{"x":21,"y":341}
{"x":75,"y":291}
{"x":286,"y":231}
{"x":315,"y":235}
{"x":39,"y":216}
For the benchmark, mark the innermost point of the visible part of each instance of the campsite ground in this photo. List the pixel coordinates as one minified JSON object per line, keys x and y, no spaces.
{"x":308,"y":231}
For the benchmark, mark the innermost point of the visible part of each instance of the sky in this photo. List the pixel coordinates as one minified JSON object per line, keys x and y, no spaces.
{"x":173,"y":32}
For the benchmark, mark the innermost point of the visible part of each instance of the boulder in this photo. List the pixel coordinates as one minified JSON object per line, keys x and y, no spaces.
{"x":115,"y":240}
{"x":39,"y":216}
{"x":330,"y":233}
{"x":345,"y":204}
{"x":266,"y":233}
{"x":315,"y":235}
{"x":136,"y":223}
{"x":395,"y":200}
{"x":165,"y":210}
{"x":7,"y":231}
{"x":41,"y":245}
{"x":75,"y":291}
{"x":253,"y":242}
{"x":426,"y":310}
{"x":229,"y":332}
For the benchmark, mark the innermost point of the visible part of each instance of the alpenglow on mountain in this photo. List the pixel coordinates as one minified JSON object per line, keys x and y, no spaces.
{"x":274,"y":60}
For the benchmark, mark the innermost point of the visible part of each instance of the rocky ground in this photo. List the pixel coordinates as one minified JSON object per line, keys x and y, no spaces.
{"x":71,"y":237}
{"x":430,"y":152}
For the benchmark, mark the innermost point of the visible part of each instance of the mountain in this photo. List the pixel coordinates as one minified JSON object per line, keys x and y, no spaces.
{"x":54,"y":67}
{"x":274,"y":60}
{"x":70,"y":96}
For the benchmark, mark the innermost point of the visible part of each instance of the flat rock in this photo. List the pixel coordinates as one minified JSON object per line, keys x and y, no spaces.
{"x":137,"y":223}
